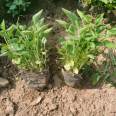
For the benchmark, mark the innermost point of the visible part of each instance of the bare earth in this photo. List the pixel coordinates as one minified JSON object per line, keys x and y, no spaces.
{"x":64,"y":101}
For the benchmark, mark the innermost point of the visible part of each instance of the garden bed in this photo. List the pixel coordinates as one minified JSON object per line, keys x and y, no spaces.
{"x":29,"y":93}
{"x":19,"y":99}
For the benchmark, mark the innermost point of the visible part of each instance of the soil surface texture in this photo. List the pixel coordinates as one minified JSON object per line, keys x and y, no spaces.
{"x":63,"y":101}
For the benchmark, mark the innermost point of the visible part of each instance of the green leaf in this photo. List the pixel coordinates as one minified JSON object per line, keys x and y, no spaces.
{"x":91,"y":56}
{"x":75,"y":71}
{"x":16,"y":61}
{"x":85,"y":18}
{"x":48,"y":30}
{"x":105,"y":1}
{"x":72,"y":17}
{"x":114,"y":74}
{"x":41,"y":21}
{"x":44,"y":40}
{"x":71,"y":29}
{"x":112,"y":32}
{"x":3,"y":27}
{"x":99,"y":19}
{"x":12,"y":7}
{"x":26,"y":32}
{"x":95,"y":78}
{"x":109,"y":44}
{"x":10,"y":30}
{"x":67,"y":67}
{"x":37,"y":17}
{"x":62,"y":23}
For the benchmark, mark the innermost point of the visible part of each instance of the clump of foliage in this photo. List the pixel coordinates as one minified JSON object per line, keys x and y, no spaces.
{"x":26,"y":45}
{"x":107,"y":71}
{"x":111,"y":66}
{"x":16,"y":7}
{"x":106,"y":4}
{"x":85,"y":34}
{"x":110,"y":4}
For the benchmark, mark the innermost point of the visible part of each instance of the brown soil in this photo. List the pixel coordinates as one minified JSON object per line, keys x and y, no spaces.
{"x":64,"y":101}
{"x":20,"y":100}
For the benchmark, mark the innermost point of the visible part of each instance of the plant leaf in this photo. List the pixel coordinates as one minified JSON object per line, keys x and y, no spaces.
{"x":72,"y":17}
{"x":3,"y":27}
{"x":62,"y":23}
{"x":37,"y":17}
{"x":109,"y":44}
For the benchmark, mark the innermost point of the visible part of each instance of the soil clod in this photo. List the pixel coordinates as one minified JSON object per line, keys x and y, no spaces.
{"x":35,"y":80}
{"x":3,"y":82}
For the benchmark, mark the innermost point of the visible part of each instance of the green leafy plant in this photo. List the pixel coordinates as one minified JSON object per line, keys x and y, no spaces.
{"x":109,"y":4}
{"x":26,"y":45}
{"x":86,"y":2}
{"x":16,"y":7}
{"x":107,"y":72}
{"x":85,"y":34}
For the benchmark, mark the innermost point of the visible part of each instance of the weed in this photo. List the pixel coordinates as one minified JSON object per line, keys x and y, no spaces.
{"x":16,"y":7}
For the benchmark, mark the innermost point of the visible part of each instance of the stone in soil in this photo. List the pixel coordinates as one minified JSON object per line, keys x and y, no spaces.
{"x":53,"y":107}
{"x":36,"y":81}
{"x":3,"y":82}
{"x":71,"y":80}
{"x":57,"y":81}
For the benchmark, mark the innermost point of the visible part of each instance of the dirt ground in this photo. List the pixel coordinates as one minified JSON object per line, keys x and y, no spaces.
{"x":65,"y":101}
{"x":20,"y":100}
